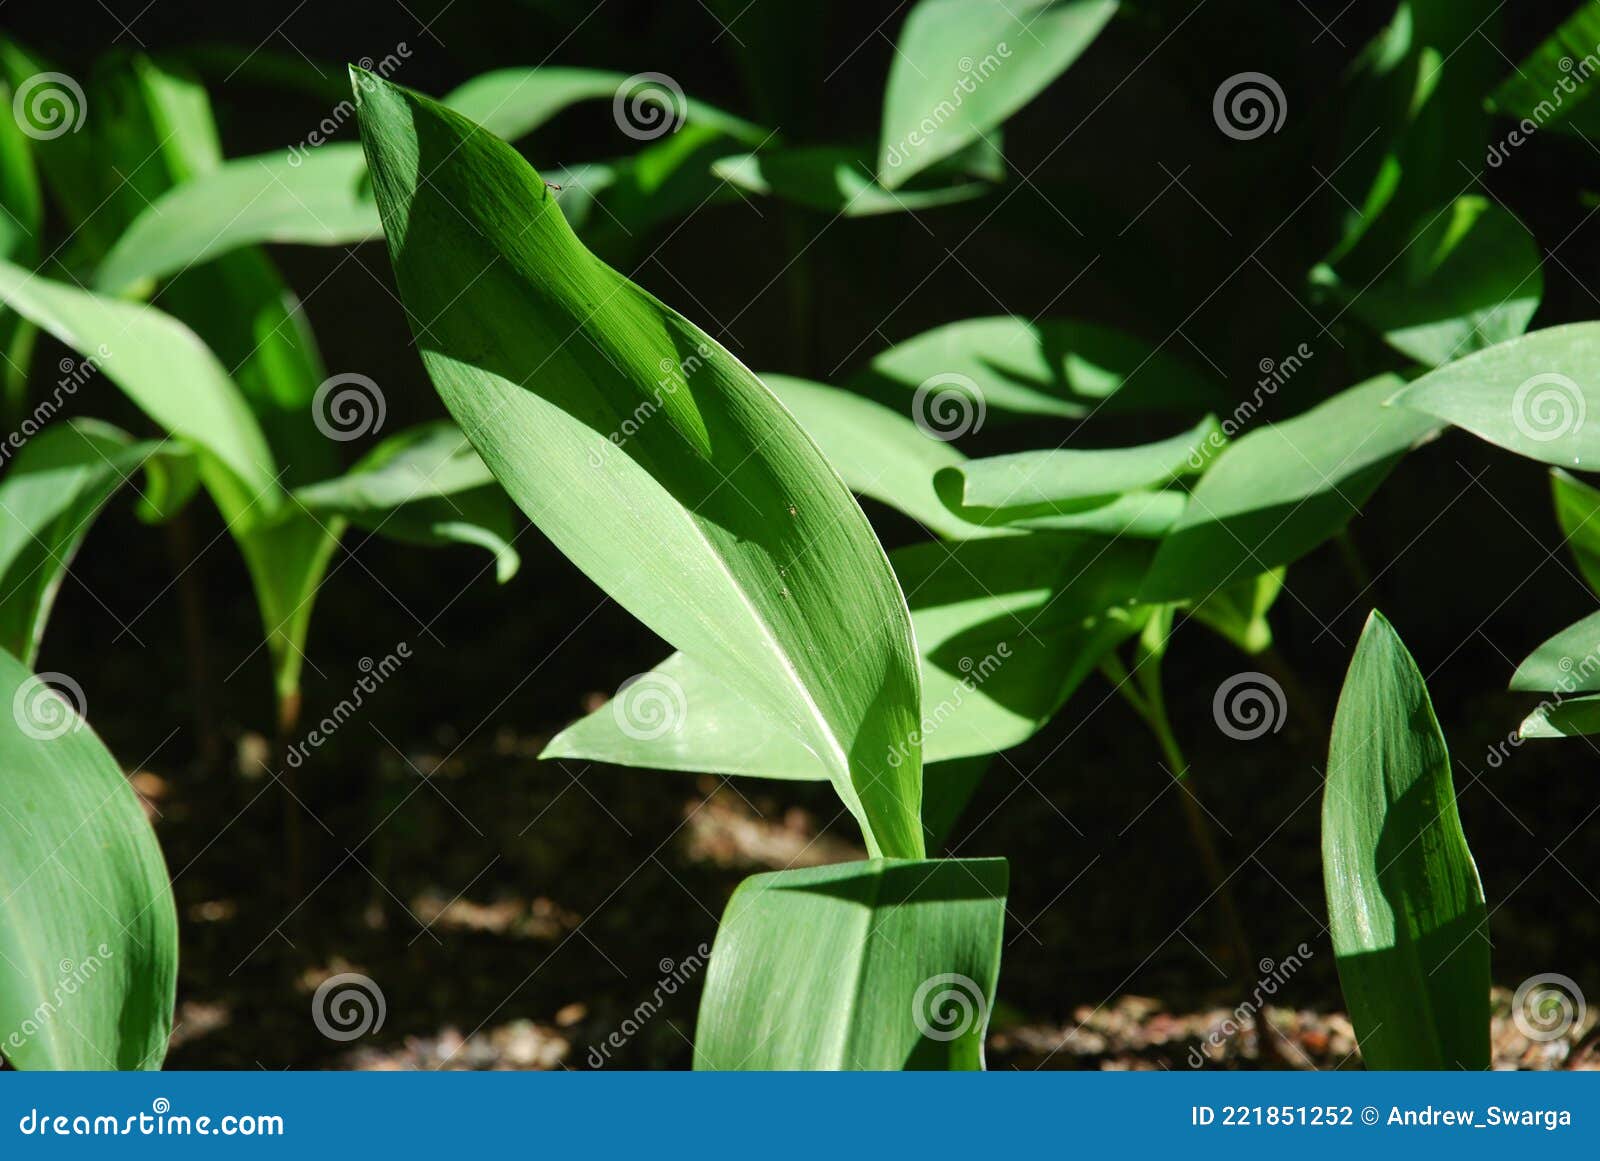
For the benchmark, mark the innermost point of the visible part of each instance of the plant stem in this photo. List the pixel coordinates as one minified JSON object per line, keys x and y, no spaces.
{"x":1152,"y":708}
{"x":293,"y":833}
{"x":179,"y":533}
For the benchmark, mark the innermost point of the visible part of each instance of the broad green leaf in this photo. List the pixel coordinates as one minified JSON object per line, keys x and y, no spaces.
{"x":1281,"y":490}
{"x":1569,"y":662}
{"x":1563,"y":719}
{"x":1548,"y":87}
{"x":49,"y":497}
{"x":835,"y":180}
{"x":879,"y":453}
{"x":317,"y":198}
{"x":425,"y":486}
{"x":21,"y":216}
{"x":888,"y":964}
{"x":1578,"y":513}
{"x":88,"y":929}
{"x":710,"y":515}
{"x":320,"y":195}
{"x":164,"y":368}
{"x":514,"y":102}
{"x":1405,"y":906}
{"x":1009,"y":488}
{"x":1145,"y":515}
{"x":1008,"y":628}
{"x":1531,"y":395}
{"x":961,"y":374}
{"x":1471,"y":278}
{"x":961,"y":67}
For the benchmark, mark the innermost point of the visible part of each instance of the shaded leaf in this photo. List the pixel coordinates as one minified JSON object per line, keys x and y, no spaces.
{"x":1578,"y":512}
{"x":88,"y":929}
{"x":835,"y":180}
{"x":1569,"y":662}
{"x":853,"y":966}
{"x":1405,"y":906}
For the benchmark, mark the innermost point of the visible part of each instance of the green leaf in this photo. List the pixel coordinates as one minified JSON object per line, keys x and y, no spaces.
{"x":1531,"y":395}
{"x":1025,"y":485}
{"x":1009,"y":628}
{"x":879,"y":453}
{"x":1469,"y":279}
{"x":88,"y":929}
{"x":649,"y":455}
{"x":317,"y":198}
{"x":961,"y":67}
{"x":1281,"y":490}
{"x":424,"y":486}
{"x":889,"y":964}
{"x":49,"y":497}
{"x":1018,"y":368}
{"x":165,"y":369}
{"x":1578,"y":513}
{"x":1545,"y":87}
{"x":1563,"y":719}
{"x":1405,"y":907}
{"x":1569,"y":662}
{"x":1238,"y":612}
{"x":836,"y":180}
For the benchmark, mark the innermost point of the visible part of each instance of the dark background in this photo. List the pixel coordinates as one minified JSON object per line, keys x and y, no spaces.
{"x":1460,"y":543}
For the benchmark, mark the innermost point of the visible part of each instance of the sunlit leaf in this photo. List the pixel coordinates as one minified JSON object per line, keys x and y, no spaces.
{"x":1008,"y":367}
{"x":710,"y":515}
{"x":1281,"y":490}
{"x":961,"y":67}
{"x":1533,"y":395}
{"x":1405,"y":906}
{"x":889,"y":964}
{"x":1569,"y":662}
{"x":836,"y":180}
